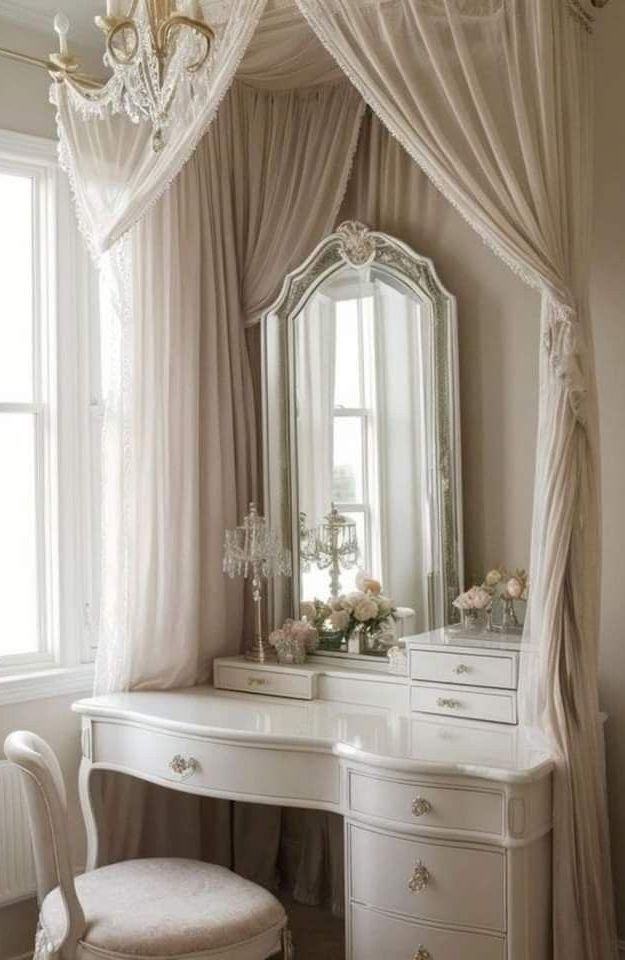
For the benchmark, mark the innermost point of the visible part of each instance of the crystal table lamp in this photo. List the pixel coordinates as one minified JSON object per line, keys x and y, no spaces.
{"x":252,"y":550}
{"x":333,"y":544}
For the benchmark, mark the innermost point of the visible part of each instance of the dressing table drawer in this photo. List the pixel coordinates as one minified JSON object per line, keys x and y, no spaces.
{"x":470,"y":702}
{"x":477,"y":670}
{"x":374,"y":934}
{"x":252,"y":678}
{"x":432,"y":881}
{"x":424,"y":804}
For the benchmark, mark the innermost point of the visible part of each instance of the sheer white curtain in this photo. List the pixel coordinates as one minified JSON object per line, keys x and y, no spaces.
{"x":492,"y":98}
{"x":315,"y":350}
{"x":115,"y":172}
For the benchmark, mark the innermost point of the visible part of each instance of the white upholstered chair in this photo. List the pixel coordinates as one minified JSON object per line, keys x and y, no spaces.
{"x":137,"y":909}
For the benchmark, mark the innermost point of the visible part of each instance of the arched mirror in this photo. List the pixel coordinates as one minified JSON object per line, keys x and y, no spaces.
{"x":361,"y":435}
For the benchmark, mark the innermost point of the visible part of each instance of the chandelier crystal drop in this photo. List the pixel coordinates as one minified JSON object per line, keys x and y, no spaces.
{"x":151,"y":47}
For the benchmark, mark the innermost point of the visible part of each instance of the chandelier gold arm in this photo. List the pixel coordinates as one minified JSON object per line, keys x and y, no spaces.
{"x":177,"y":20}
{"x":112,"y":26}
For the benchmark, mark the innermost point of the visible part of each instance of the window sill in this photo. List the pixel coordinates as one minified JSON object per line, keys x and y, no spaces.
{"x":45,"y":684}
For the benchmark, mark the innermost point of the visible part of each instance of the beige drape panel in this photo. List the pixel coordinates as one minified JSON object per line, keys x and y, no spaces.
{"x":492,"y":99}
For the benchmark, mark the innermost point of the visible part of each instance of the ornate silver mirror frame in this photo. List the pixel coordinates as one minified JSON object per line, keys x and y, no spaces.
{"x":354,"y":244}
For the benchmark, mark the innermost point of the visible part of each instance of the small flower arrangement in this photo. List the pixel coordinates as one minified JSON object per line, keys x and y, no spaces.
{"x":506,"y":585}
{"x":476,"y":598}
{"x":294,"y":640}
{"x":500,"y":587}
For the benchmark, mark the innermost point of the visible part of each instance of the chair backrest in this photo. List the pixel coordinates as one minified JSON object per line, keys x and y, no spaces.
{"x":46,"y":802}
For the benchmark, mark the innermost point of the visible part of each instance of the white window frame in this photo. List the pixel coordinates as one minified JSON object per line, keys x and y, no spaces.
{"x":68,"y":412}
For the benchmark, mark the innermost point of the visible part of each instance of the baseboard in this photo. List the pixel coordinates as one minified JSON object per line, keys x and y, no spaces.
{"x":23,"y":956}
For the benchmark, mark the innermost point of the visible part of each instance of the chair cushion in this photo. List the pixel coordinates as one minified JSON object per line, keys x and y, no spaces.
{"x":165,"y":907}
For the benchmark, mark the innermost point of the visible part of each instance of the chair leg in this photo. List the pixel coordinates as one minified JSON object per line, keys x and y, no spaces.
{"x":288,"y":951}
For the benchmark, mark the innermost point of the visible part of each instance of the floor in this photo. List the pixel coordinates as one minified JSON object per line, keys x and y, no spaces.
{"x":316,"y":933}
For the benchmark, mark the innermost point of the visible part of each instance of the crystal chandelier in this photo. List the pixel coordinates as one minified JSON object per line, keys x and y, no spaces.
{"x":252,"y":550}
{"x":151,"y":47}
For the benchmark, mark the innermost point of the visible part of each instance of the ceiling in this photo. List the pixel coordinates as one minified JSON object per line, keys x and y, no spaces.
{"x":39,"y":14}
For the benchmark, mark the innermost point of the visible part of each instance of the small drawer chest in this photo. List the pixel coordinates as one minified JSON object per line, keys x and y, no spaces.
{"x":473,"y":677}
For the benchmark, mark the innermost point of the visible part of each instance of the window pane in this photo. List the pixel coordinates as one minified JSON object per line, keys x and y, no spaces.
{"x":19,"y":606}
{"x":347,"y":483}
{"x":347,"y":361}
{"x":16,"y":262}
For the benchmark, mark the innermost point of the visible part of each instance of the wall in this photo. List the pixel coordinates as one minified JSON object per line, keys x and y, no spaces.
{"x":608,"y":303}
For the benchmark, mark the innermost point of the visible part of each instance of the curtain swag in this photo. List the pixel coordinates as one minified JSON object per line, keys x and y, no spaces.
{"x":492,"y":99}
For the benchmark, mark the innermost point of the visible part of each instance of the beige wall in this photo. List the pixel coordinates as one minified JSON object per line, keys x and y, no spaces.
{"x":498,"y":320}
{"x":608,"y":302}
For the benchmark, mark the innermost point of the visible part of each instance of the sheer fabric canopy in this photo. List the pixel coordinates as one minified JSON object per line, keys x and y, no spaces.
{"x":492,"y":99}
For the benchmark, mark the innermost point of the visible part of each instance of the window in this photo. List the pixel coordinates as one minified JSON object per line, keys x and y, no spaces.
{"x":355,"y":465}
{"x":354,"y":457}
{"x":49,"y":415}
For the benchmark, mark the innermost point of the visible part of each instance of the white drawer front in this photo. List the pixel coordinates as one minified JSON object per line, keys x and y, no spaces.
{"x":268,"y":682}
{"x":428,"y":880}
{"x":426,"y":804}
{"x":375,"y":935}
{"x":471,"y":702}
{"x":218,"y":768}
{"x":478,"y":670}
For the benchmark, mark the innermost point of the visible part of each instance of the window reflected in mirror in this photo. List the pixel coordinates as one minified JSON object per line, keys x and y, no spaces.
{"x":358,"y":374}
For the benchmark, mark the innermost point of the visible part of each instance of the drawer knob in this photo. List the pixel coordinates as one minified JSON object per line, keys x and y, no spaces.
{"x":420,"y":877}
{"x":421,"y":806}
{"x":184,"y":767}
{"x":462,"y":668}
{"x":422,"y":954}
{"x":257,"y":681}
{"x":448,"y":702}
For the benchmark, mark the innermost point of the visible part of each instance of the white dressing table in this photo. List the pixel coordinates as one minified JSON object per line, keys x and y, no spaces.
{"x":447,"y":821}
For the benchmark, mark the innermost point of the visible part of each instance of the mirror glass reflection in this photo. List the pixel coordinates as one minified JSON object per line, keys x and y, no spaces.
{"x":362,"y":392}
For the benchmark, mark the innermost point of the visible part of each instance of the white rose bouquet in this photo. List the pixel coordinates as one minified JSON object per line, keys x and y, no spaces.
{"x":365,"y":609}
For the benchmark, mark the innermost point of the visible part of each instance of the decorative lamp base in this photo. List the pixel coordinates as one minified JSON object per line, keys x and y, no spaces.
{"x":260,"y":651}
